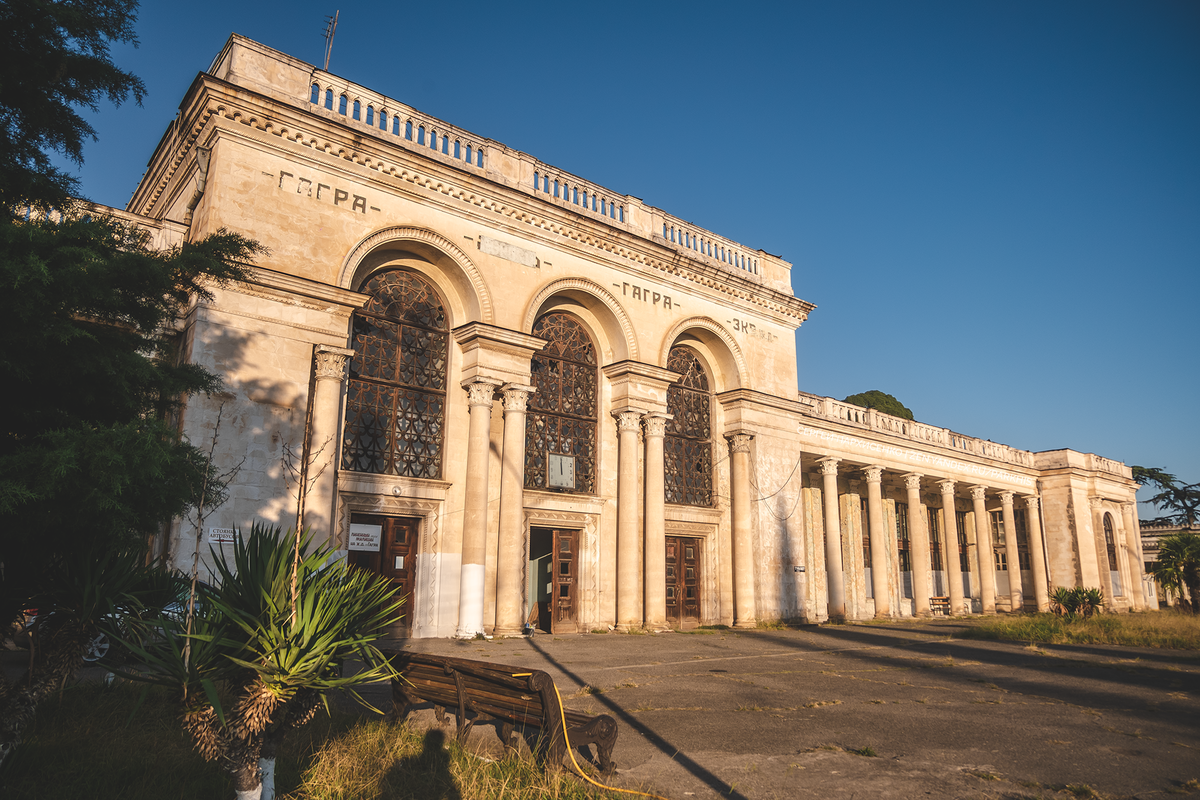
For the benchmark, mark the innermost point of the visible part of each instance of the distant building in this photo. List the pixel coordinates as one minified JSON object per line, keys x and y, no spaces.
{"x":528,"y":399}
{"x":1151,"y":534}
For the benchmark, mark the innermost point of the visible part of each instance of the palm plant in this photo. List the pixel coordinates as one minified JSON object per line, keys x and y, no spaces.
{"x":1178,"y":565}
{"x":256,"y":669}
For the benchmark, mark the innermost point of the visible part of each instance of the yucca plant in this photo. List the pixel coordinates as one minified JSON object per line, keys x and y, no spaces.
{"x":255,"y":669}
{"x":1077,"y":600}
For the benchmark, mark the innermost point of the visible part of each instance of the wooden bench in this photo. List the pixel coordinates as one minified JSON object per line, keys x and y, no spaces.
{"x":514,"y":696}
{"x":940,"y":605}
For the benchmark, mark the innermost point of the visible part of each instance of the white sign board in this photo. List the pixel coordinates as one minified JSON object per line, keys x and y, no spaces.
{"x":365,"y":537}
{"x":221,"y":535}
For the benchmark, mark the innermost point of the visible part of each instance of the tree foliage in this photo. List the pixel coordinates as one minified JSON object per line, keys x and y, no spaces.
{"x":91,"y":370}
{"x":1178,"y":565}
{"x":54,"y":58}
{"x":1180,"y":501}
{"x":880,"y":401}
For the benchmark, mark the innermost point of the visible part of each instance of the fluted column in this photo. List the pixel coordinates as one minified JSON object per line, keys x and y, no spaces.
{"x":958,"y":603}
{"x":1037,"y":554}
{"x":510,"y":562}
{"x":983,"y":551}
{"x":834,"y":577}
{"x":323,"y":452}
{"x":480,"y":398}
{"x":881,"y":566}
{"x":918,"y":528}
{"x":1011,"y":547}
{"x":743,"y":548}
{"x":655,"y":550}
{"x":629,"y":585}
{"x":1133,"y":557}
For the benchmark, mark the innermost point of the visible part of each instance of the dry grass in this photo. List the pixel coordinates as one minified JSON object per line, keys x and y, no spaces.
{"x":107,"y":744}
{"x":1161,"y":629}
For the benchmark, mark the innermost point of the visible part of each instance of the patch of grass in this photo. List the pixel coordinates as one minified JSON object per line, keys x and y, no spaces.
{"x":983,"y":776}
{"x":699,"y":632}
{"x":866,"y":750}
{"x":714,"y":627}
{"x":102,"y":743}
{"x":1080,"y":790}
{"x":1167,"y":629}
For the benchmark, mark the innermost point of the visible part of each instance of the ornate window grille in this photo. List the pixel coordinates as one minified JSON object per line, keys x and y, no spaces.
{"x":935,"y":540}
{"x":562,"y":412}
{"x":1022,"y":524}
{"x":396,"y":398}
{"x":687,"y":447}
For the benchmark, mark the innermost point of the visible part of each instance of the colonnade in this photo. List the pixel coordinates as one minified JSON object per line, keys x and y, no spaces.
{"x":885,"y":559}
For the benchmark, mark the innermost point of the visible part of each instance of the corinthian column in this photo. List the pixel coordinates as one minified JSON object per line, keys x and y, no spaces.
{"x":983,"y":551}
{"x":628,"y":566}
{"x":918,"y":528}
{"x":1037,"y":554}
{"x":833,"y":539}
{"x":480,"y":398}
{"x":958,"y":603}
{"x":743,"y":550}
{"x":1011,"y":547}
{"x":322,"y":453}
{"x":655,"y":551}
{"x":881,"y":567}
{"x":510,"y":566}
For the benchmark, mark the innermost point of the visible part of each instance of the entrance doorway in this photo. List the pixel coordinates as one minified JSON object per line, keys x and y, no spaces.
{"x":683,"y":581}
{"x":395,"y":558}
{"x":553,"y":580}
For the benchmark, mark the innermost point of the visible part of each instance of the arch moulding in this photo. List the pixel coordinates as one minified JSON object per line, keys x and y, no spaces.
{"x":595,"y":290}
{"x":400,"y":234}
{"x":715,"y":329}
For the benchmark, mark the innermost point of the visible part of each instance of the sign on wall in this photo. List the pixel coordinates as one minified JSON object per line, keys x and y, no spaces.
{"x":365,"y":537}
{"x":221,"y":535}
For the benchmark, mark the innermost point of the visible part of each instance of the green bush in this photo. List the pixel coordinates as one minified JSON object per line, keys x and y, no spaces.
{"x":1076,"y":602}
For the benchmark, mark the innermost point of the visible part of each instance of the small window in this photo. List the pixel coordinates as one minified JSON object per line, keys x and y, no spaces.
{"x":479,"y":157}
{"x":457,"y":149}
{"x":342,"y":101}
{"x":395,"y":126}
{"x":357,"y":110}
{"x":468,"y":154}
{"x":315,"y":97}
{"x":421,"y":135}
{"x":329,"y":99}
{"x":370,"y":115}
{"x":408,"y":130}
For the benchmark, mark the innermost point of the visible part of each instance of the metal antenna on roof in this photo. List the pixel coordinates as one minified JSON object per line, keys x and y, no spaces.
{"x":330,"y":29}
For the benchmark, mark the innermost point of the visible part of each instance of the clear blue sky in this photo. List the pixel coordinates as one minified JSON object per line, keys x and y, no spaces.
{"x":995,"y":205}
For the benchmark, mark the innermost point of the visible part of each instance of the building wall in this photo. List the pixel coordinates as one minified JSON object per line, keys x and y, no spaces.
{"x":504,"y":239}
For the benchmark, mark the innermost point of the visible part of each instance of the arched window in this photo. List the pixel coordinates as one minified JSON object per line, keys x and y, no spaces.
{"x":396,"y":399}
{"x":560,"y":428}
{"x":687,"y":448}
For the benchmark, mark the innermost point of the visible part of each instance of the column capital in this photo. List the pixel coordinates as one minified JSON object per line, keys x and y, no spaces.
{"x":332,"y":362}
{"x":829,"y":466}
{"x":1006,"y":497}
{"x":740,"y":442}
{"x":1096,"y":503}
{"x":1031,"y":502}
{"x":913,"y":480}
{"x":946,"y":486}
{"x":873,"y":474}
{"x":481,"y":392}
{"x":656,"y":424}
{"x":979,"y":492}
{"x":628,"y":420}
{"x":516,"y":396}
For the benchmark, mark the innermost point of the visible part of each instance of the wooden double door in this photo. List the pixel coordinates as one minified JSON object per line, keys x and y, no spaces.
{"x":554,"y":580}
{"x":396,"y":559}
{"x":683,"y":581}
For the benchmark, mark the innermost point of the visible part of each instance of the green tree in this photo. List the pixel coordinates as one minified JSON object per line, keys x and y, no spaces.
{"x":880,"y":401}
{"x":1180,"y":501}
{"x":54,"y":58}
{"x":1178,"y":565}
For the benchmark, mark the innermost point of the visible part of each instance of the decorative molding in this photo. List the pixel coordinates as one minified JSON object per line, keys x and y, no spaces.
{"x":714,"y":327}
{"x":628,"y":421}
{"x":516,"y":397}
{"x":596,"y":290}
{"x":1006,"y":497}
{"x":481,"y":393}
{"x":740,"y":443}
{"x":873,"y":474}
{"x":332,"y":362}
{"x":913,"y":481}
{"x":435,"y":240}
{"x":946,"y":487}
{"x":1031,"y":502}
{"x":656,"y":424}
{"x":979,"y":493}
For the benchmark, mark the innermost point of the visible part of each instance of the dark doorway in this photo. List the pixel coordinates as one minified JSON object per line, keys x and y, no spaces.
{"x":396,"y":559}
{"x":683,"y":581}
{"x":553,"y":580}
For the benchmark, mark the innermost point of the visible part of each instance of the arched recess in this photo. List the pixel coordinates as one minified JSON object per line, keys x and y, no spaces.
{"x":447,"y":264}
{"x":716,"y":344}
{"x":596,"y":306}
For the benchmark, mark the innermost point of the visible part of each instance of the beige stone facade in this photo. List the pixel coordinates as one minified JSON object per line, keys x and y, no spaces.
{"x":531,"y":400}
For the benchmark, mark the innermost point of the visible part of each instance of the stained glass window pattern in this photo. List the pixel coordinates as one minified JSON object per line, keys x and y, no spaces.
{"x":687,"y":447}
{"x":396,"y":397}
{"x":562,"y":412}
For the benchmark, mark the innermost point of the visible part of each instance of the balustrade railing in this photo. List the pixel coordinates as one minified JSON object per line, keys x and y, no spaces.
{"x":871,"y":419}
